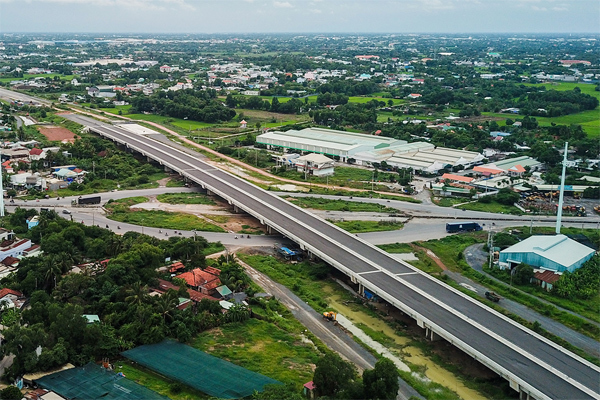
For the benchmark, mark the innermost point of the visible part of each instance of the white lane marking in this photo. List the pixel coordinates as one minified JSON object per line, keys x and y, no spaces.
{"x":455,"y":312}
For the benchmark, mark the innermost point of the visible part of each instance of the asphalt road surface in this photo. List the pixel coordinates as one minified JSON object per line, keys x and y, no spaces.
{"x":512,"y":348}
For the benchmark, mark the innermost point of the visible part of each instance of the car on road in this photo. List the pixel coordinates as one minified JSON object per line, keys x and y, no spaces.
{"x":66,"y":212}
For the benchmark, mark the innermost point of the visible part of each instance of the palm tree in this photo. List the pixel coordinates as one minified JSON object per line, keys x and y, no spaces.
{"x":52,"y":269}
{"x":165,"y":304}
{"x":137,"y":293}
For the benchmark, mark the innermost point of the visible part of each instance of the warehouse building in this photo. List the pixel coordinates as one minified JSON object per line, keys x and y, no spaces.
{"x":326,"y":141}
{"x":554,"y":253}
{"x":367,"y":150}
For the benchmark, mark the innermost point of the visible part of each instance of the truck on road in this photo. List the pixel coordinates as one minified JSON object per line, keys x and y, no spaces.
{"x":89,"y":200}
{"x":468,"y":226}
{"x":492,"y":296}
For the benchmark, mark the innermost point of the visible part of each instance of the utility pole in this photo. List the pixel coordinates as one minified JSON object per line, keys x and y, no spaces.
{"x":491,"y":247}
{"x":372,"y":180}
{"x":562,"y":190}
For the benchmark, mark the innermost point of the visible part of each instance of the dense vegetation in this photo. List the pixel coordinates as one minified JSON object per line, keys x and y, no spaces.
{"x":116,"y":291}
{"x":196,"y":105}
{"x":581,"y":284}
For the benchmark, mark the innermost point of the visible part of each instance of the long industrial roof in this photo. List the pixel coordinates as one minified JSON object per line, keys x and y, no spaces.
{"x":524,"y":161}
{"x":331,"y":136}
{"x":559,"y":248}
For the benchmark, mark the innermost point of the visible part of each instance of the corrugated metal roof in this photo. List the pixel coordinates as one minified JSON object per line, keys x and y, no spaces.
{"x":559,"y":249}
{"x":524,"y":161}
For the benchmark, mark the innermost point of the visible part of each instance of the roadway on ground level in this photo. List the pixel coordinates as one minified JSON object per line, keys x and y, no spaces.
{"x":10,"y":95}
{"x":94,"y":215}
{"x":516,"y":353}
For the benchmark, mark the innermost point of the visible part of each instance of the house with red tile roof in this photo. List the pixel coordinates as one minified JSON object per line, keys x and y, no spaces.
{"x":11,"y":298}
{"x":195,"y":296}
{"x":202,"y":280}
{"x":176,"y":267}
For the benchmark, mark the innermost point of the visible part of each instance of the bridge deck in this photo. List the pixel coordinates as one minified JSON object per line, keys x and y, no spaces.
{"x":539,"y":366}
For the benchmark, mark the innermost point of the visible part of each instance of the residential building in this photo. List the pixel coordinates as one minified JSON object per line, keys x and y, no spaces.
{"x":314,"y":164}
{"x":203,"y":280}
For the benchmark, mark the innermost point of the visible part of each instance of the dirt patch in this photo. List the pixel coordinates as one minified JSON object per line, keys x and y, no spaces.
{"x":431,"y":255}
{"x":57,"y":134}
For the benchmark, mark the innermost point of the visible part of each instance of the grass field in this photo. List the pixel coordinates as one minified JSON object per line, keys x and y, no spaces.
{"x":157,"y":383}
{"x":120,"y":210}
{"x":493,"y":207}
{"x":318,"y":203}
{"x":185,"y":198}
{"x":589,"y":120}
{"x":263,"y":347}
{"x":369,"y":226}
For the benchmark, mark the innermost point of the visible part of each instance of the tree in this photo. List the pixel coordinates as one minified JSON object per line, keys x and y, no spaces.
{"x":275,"y":105}
{"x":333,"y":374}
{"x":382,"y":381}
{"x":11,"y":393}
{"x":523,"y":274}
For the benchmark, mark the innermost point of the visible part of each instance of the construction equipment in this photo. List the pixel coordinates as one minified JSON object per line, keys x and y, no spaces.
{"x":492,"y":296}
{"x":330,"y":316}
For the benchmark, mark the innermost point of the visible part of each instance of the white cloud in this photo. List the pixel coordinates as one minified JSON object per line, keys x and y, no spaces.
{"x":315,"y":11}
{"x":282,"y":4}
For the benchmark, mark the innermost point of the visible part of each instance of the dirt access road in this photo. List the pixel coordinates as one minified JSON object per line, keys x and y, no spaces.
{"x":331,"y":335}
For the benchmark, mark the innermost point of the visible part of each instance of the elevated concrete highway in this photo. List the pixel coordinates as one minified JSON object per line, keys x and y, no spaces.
{"x":534,"y":366}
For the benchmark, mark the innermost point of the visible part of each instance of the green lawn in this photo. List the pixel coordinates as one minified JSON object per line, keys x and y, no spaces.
{"x":185,"y":198}
{"x":369,"y":226}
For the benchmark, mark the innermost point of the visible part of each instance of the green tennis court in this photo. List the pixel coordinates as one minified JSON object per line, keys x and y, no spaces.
{"x":201,"y":371}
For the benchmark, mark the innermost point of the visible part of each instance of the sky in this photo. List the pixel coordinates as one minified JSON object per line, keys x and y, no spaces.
{"x":301,"y":16}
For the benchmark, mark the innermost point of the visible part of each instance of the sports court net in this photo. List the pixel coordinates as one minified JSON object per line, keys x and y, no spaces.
{"x":195,"y":368}
{"x":94,"y":382}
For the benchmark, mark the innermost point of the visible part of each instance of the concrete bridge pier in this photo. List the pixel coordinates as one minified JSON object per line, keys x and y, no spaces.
{"x":168,"y":170}
{"x":523,"y":395}
{"x":431,"y":335}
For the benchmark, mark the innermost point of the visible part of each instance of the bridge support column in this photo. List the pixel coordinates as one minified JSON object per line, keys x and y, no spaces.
{"x":168,"y":170}
{"x":524,"y":395}
{"x":209,"y":193}
{"x":236,"y":209}
{"x":431,"y":335}
{"x":361,"y":289}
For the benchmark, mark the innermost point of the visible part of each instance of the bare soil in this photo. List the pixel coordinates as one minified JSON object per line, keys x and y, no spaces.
{"x":57,"y":133}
